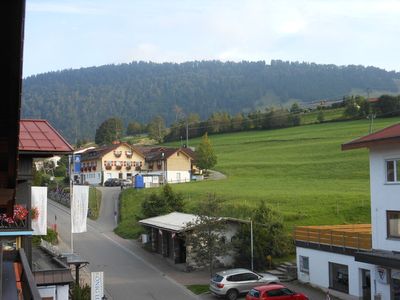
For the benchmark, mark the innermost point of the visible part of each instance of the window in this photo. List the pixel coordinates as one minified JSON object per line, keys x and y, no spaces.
{"x":249,"y":276}
{"x":304,"y":264}
{"x":254,"y":293}
{"x":393,"y":224}
{"x":339,"y":277}
{"x":393,"y":170}
{"x":275,"y":293}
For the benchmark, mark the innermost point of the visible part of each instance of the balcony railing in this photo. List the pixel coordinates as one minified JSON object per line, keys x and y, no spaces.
{"x":357,"y":236}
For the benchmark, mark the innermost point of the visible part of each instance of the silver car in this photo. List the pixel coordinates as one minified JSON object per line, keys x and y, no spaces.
{"x":231,"y":283}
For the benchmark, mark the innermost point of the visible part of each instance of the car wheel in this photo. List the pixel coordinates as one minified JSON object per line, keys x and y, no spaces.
{"x":232,"y":295}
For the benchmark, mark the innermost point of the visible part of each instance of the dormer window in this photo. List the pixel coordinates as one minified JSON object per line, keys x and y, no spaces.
{"x":393,"y":171}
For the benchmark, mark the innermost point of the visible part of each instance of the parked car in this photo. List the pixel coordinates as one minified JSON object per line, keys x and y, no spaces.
{"x":125,"y":182}
{"x":112,"y":182}
{"x":274,"y":291}
{"x":234,"y":282}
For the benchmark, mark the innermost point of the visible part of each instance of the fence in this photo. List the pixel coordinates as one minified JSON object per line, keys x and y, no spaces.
{"x":357,"y":236}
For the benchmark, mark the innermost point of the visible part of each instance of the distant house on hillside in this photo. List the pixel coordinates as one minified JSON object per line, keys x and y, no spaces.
{"x":157,"y":164}
{"x":116,"y":161}
{"x":361,"y":260}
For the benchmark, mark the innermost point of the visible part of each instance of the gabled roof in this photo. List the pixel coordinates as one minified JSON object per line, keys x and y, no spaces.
{"x":161,"y":153}
{"x":388,"y":135}
{"x":103,"y":150}
{"x":40,"y":137}
{"x":175,"y":221}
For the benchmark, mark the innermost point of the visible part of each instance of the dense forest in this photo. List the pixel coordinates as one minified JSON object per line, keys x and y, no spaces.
{"x":76,"y":102}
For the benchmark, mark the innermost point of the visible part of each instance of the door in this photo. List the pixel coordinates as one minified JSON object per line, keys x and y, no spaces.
{"x":366,"y":284}
{"x":250,"y":280}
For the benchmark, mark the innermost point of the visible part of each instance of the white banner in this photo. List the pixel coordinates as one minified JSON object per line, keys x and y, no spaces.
{"x":79,"y":208}
{"x":97,"y":286}
{"x":39,"y":210}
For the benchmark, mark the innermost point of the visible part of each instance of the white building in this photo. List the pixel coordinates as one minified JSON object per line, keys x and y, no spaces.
{"x":167,"y":236}
{"x":362,"y":261}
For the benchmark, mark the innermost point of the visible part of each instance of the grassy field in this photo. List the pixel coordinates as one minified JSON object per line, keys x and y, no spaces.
{"x":300,"y":172}
{"x":94,"y":203}
{"x":329,"y":114}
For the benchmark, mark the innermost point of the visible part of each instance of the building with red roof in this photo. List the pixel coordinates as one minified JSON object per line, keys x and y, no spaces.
{"x":38,"y":137}
{"x":362,"y":260}
{"x":157,"y":164}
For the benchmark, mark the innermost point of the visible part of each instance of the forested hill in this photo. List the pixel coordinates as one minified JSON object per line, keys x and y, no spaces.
{"x":77,"y":101}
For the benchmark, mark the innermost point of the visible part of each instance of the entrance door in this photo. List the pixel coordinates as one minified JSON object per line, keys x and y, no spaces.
{"x":395,"y":288}
{"x":366,"y":284}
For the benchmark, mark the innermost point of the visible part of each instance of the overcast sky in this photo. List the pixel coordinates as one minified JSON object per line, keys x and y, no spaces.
{"x":72,"y":34}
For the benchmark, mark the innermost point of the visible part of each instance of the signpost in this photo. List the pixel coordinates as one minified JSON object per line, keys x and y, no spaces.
{"x":97,"y":286}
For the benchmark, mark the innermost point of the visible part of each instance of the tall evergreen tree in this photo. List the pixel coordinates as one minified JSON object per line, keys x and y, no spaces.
{"x":205,"y":155}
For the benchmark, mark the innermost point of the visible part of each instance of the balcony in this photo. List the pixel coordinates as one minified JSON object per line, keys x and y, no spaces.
{"x":18,"y":280}
{"x":336,"y":238}
{"x":15,"y":223}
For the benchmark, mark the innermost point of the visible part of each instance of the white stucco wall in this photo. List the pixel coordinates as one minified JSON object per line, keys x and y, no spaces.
{"x":62,"y":292}
{"x":173,"y":177}
{"x":47,"y":291}
{"x":319,"y":269}
{"x":92,"y":177}
{"x":59,"y":292}
{"x":384,"y":197}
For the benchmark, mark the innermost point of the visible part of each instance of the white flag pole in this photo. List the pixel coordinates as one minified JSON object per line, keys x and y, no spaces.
{"x":71,"y":196}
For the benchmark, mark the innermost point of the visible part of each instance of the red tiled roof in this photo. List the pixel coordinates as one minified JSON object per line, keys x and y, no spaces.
{"x":40,"y":136}
{"x":388,"y":135}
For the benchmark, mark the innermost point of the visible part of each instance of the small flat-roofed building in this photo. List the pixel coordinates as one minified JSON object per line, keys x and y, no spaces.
{"x":167,"y":236}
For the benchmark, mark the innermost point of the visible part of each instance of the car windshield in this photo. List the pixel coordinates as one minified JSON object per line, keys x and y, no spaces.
{"x":259,"y":275}
{"x":217,"y":278}
{"x":254,"y":293}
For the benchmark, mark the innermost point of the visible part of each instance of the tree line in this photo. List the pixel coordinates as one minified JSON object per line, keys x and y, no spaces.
{"x":76,"y":102}
{"x":354,"y":107}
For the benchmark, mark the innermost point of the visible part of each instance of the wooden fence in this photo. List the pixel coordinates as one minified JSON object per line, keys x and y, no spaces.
{"x":357,"y":236}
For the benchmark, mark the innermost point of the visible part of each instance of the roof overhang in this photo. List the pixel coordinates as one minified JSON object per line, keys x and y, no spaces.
{"x":371,"y":143}
{"x":390,"y":259}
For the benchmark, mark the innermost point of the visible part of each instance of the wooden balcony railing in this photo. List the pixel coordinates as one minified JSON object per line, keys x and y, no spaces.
{"x":357,"y":236}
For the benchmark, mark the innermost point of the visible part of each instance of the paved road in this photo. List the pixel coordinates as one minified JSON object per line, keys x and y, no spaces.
{"x":127,"y":275}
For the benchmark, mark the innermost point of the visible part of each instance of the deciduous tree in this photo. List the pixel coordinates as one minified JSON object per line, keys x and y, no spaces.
{"x":157,"y":129}
{"x":206,"y":238}
{"x":269,"y":238}
{"x":110,"y":130}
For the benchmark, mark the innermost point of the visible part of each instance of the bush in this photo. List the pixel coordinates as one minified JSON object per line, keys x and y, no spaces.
{"x":80,"y":292}
{"x":51,"y":237}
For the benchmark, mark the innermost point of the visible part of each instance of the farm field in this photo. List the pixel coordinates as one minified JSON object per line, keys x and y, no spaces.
{"x":300,"y":172}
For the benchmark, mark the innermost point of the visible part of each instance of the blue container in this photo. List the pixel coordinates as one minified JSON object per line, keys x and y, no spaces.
{"x":139,"y":183}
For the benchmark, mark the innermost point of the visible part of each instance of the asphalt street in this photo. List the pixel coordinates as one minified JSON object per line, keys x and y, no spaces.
{"x":126,"y":274}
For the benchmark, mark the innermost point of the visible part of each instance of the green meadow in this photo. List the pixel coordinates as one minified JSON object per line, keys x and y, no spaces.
{"x":300,"y":172}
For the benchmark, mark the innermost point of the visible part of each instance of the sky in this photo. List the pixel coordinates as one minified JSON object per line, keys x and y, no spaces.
{"x":74,"y":34}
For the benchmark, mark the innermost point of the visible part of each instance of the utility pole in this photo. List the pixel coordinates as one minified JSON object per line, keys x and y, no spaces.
{"x":187,"y":133}
{"x":371,"y":118}
{"x":251,"y":244}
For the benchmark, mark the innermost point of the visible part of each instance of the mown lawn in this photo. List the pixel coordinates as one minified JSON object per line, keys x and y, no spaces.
{"x":301,"y":172}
